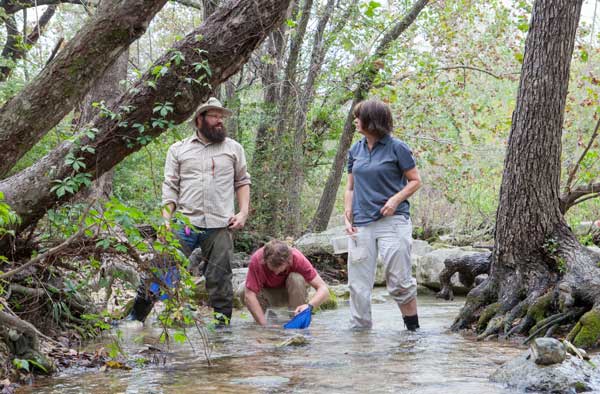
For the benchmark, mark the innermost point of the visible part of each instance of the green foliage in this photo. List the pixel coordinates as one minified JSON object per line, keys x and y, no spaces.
{"x":21,"y":364}
{"x":552,"y":248}
{"x":8,"y":219}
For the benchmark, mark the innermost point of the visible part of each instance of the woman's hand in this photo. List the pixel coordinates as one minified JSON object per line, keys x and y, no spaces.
{"x":390,"y":207}
{"x":350,"y":229}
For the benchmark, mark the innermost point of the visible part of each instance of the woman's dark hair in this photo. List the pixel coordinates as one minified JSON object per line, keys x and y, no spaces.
{"x":375,"y":116}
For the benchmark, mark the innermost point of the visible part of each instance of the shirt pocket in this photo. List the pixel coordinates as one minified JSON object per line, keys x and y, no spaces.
{"x":222,"y":165}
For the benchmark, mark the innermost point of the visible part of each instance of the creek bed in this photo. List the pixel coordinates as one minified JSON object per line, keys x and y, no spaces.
{"x":246,"y":359}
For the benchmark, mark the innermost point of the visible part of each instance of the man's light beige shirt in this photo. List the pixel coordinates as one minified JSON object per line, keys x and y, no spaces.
{"x":201,"y":179}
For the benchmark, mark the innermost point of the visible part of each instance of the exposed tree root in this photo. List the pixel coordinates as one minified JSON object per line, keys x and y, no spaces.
{"x":538,"y":302}
{"x":23,"y":339}
{"x":480,"y":296}
{"x":552,"y":321}
{"x":468,"y":268}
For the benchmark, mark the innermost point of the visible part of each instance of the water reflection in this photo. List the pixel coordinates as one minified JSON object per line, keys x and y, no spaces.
{"x":386,"y":359}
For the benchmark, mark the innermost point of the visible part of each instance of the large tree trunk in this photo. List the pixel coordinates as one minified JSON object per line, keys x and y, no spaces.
{"x":29,"y":115}
{"x":366,"y":78}
{"x":537,"y":266}
{"x":222,"y":44}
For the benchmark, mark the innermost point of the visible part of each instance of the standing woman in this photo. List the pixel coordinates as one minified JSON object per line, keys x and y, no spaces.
{"x":382,"y":175}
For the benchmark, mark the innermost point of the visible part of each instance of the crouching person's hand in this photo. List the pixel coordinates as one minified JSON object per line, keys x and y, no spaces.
{"x":302,"y":308}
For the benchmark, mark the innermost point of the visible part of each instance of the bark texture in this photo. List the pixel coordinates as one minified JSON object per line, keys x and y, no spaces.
{"x":62,"y":84}
{"x":221,"y":45}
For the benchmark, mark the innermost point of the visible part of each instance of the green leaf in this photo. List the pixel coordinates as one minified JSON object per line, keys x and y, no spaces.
{"x":21,"y":364}
{"x":519,"y":57}
{"x":584,"y":55}
{"x":103,"y":243}
{"x":371,"y":7}
{"x":523,"y":26}
{"x":179,"y":337}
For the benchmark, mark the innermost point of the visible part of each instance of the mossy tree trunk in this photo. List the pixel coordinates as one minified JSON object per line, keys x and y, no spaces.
{"x":536,"y":255}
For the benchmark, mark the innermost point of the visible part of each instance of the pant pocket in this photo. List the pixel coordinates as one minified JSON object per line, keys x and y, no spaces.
{"x":357,"y":251}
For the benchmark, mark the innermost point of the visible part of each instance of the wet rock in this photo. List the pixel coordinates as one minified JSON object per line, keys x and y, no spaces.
{"x":296,"y":340}
{"x":573,"y":375}
{"x":547,"y":351}
{"x":342,"y":292}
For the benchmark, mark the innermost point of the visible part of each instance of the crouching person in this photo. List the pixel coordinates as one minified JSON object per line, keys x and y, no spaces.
{"x":278,"y":276}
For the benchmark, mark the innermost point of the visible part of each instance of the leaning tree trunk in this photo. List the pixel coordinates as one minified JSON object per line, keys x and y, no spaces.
{"x":205,"y":58}
{"x":44,"y":102}
{"x":366,"y":78}
{"x":538,"y":268}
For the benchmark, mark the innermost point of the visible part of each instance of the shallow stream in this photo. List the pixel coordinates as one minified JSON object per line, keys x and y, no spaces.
{"x":246,"y":359}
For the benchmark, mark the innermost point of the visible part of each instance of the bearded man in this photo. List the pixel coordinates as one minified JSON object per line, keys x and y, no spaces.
{"x":202,"y":174}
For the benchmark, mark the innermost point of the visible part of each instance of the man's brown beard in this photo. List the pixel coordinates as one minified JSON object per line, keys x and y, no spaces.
{"x":213,"y":134}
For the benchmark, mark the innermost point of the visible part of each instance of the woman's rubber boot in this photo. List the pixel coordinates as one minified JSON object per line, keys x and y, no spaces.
{"x":411,"y":322}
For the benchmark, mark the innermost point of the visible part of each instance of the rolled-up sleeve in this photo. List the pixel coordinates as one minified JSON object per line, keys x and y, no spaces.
{"x":350,"y":161}
{"x":170,"y":187}
{"x":241,"y":177}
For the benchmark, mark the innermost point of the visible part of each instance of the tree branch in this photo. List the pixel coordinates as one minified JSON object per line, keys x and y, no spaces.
{"x":51,"y":252}
{"x":191,"y":4}
{"x":585,"y":151}
{"x":471,"y":68}
{"x":14,"y":6}
{"x":14,"y":51}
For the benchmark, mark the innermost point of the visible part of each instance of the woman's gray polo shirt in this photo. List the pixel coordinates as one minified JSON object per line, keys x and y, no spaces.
{"x":378,"y":175}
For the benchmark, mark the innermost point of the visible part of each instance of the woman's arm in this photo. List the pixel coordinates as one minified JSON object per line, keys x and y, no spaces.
{"x":414,"y":183}
{"x":348,"y":195}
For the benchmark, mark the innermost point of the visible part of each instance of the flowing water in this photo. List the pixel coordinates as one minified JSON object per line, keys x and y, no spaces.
{"x":246,"y":359}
